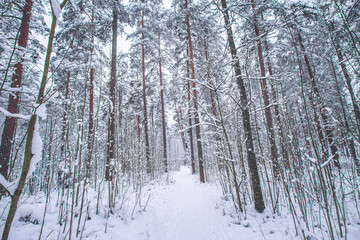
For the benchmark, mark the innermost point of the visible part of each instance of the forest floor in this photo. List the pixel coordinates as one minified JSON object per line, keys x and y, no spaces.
{"x":181,"y":209}
{"x":185,"y":210}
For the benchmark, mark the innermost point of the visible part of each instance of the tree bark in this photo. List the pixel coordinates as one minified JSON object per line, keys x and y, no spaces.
{"x":346,"y":123}
{"x":146,"y":129}
{"x":30,"y":133}
{"x":347,"y":79}
{"x":111,"y":127}
{"x":192,"y":158}
{"x":212,"y":94}
{"x":181,"y":127}
{"x":323,"y":114}
{"x":221,"y":124}
{"x":284,"y":151}
{"x":163,"y":111}
{"x":91,"y":101}
{"x":251,"y":158}
{"x":64,"y":128}
{"x":266,"y":99}
{"x":196,"y":110}
{"x":10,"y":122}
{"x":191,"y":136}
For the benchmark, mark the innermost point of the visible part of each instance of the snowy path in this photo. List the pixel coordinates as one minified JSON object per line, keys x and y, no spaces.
{"x":183,"y":211}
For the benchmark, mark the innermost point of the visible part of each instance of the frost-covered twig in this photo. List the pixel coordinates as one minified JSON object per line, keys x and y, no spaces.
{"x":14,"y":115}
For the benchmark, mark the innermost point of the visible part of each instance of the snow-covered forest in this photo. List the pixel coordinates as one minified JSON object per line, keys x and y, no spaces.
{"x":180,"y":119}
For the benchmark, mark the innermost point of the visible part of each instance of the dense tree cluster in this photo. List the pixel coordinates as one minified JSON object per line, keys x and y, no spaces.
{"x":259,"y":95}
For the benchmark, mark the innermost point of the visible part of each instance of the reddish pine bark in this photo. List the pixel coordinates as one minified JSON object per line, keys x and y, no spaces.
{"x":276,"y":110}
{"x":193,"y":169}
{"x":30,"y":133}
{"x":91,"y":102}
{"x":266,"y":99}
{"x":10,"y":122}
{"x":196,"y":112}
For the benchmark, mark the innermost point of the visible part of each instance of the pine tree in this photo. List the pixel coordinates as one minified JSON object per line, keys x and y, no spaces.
{"x":254,"y":175}
{"x":10,"y":121}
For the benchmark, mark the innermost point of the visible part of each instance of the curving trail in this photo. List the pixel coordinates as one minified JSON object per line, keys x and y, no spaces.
{"x":185,"y":210}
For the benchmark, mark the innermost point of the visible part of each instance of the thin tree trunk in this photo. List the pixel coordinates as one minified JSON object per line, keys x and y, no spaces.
{"x":146,"y":129}
{"x":323,"y":114}
{"x":219,"y":123}
{"x":123,"y":160}
{"x":347,"y":79}
{"x":254,"y":175}
{"x":277,"y":111}
{"x":181,"y":127}
{"x":163,"y":112}
{"x":266,"y":99}
{"x":111,"y":127}
{"x":196,"y":110}
{"x":10,"y":122}
{"x":351,"y":140}
{"x":353,"y":37}
{"x":193,"y":169}
{"x":91,"y":101}
{"x":212,"y":94}
{"x":191,"y":136}
{"x":30,"y":133}
{"x":61,"y":178}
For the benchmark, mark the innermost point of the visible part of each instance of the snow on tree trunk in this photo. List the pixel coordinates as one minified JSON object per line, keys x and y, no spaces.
{"x":10,"y":121}
{"x":196,"y":110}
{"x":254,"y":175}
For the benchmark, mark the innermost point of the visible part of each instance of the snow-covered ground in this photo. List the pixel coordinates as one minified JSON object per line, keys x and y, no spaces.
{"x":181,"y":210}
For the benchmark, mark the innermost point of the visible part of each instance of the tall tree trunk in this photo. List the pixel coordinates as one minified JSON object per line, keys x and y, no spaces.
{"x":111,"y":127}
{"x":221,"y":124}
{"x":163,"y":111}
{"x":347,"y":79}
{"x":284,"y":151}
{"x":124,"y":161}
{"x":28,"y":155}
{"x":323,"y":114}
{"x":192,"y":158}
{"x":181,"y":126}
{"x":353,"y":37}
{"x":208,"y":71}
{"x":10,"y":122}
{"x":91,"y":101}
{"x":192,"y":152}
{"x":64,"y":129}
{"x":265,"y":95}
{"x":196,"y":110}
{"x":146,"y":129}
{"x":251,"y":158}
{"x":346,"y":123}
